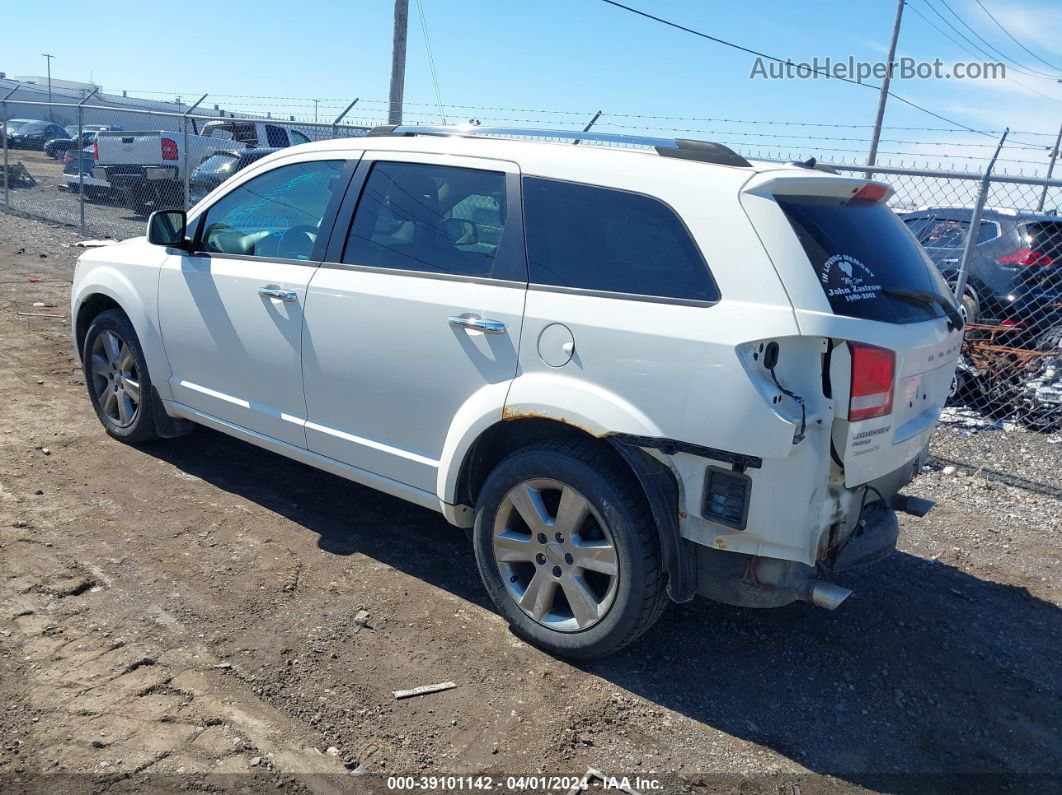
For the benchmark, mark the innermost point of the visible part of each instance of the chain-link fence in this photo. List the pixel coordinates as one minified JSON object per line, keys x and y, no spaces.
{"x":996,"y":237}
{"x":1001,"y":238}
{"x":111,"y":166}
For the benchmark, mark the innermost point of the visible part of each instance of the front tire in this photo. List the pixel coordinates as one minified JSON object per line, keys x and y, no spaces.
{"x":568,"y":551}
{"x":117,"y":378}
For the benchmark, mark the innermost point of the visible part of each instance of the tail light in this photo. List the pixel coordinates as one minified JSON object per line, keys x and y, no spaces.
{"x":169,"y":149}
{"x":96,"y":150}
{"x":1025,"y":256}
{"x":873,"y":375}
{"x":68,"y":159}
{"x":871,"y":193}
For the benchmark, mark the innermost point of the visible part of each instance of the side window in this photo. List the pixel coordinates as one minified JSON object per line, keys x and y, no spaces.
{"x":602,"y":239}
{"x":276,"y":136}
{"x":276,"y":214}
{"x":297,"y":137}
{"x":437,"y":219}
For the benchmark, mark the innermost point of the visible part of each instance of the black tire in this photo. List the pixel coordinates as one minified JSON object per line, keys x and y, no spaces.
{"x":611,"y":490}
{"x":140,"y":427}
{"x":970,"y":305}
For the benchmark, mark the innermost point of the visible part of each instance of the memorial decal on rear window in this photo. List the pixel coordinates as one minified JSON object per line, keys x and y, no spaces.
{"x":844,"y":278}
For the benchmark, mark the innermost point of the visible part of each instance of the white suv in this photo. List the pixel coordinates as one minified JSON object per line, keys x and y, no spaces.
{"x":635,"y":374}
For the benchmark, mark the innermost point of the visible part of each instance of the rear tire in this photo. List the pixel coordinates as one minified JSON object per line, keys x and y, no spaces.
{"x":117,"y":378}
{"x":970,"y":305}
{"x":567,"y":549}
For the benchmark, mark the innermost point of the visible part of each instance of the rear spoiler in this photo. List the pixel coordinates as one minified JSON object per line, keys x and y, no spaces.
{"x":793,"y":182}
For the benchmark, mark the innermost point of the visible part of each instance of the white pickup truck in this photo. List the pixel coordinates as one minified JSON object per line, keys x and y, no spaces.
{"x":147,"y":167}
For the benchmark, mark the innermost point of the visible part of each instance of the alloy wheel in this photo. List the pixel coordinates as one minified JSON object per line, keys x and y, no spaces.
{"x":115,"y":378}
{"x":556,"y":555}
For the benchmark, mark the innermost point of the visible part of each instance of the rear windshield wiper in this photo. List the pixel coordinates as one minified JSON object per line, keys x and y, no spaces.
{"x":928,"y":299}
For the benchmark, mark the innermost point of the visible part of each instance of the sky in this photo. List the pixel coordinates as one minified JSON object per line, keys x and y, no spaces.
{"x":557,"y":62}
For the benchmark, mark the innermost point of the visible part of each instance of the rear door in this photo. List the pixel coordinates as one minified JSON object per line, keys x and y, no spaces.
{"x":416,"y":314}
{"x":857,"y":276}
{"x":943,"y":234}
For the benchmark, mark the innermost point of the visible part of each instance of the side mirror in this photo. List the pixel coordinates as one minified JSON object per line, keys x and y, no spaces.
{"x":167,"y":228}
{"x":459,"y":231}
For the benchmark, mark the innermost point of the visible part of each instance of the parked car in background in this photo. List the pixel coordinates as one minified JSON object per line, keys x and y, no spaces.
{"x":219,"y":167}
{"x":96,"y":189}
{"x":57,"y":147}
{"x":1011,"y":245}
{"x":33,"y":134}
{"x":633,"y":375}
{"x":13,"y":125}
{"x":147,"y":167}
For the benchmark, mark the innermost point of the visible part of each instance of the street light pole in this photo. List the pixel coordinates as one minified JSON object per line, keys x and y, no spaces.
{"x":48,"y":58}
{"x":885,"y":86}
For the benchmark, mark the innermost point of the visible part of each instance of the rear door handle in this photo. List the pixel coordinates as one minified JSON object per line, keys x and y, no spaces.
{"x":287,"y":296}
{"x":478,"y":324}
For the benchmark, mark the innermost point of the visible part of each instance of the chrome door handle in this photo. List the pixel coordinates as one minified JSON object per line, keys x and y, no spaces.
{"x":286,"y":296}
{"x":478,"y":324}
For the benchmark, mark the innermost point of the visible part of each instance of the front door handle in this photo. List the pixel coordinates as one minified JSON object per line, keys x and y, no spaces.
{"x":287,"y":296}
{"x":478,"y":324}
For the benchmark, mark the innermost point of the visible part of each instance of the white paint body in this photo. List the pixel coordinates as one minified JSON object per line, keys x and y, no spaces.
{"x":363,"y":376}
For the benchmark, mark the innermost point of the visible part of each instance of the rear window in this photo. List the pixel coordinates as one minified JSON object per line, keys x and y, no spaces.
{"x":934,"y":232}
{"x":858,"y":253}
{"x":219,"y":164}
{"x":596,"y":238}
{"x":1044,"y":237}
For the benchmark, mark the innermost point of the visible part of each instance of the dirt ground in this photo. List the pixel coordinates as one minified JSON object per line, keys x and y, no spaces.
{"x":182,"y":616}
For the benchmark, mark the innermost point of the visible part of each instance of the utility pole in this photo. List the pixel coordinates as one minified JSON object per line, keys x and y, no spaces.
{"x":1050,"y":170}
{"x":885,"y":86}
{"x":49,"y":57}
{"x":398,"y":62}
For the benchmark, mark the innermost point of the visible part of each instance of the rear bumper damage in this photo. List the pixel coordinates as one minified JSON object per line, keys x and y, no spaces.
{"x":755,"y":581}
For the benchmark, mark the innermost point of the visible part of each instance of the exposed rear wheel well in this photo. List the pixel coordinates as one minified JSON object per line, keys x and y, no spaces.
{"x":508,"y":436}
{"x":87,"y":312}
{"x":651,"y":479}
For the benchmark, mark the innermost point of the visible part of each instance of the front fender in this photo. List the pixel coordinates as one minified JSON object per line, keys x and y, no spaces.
{"x":136,"y":295}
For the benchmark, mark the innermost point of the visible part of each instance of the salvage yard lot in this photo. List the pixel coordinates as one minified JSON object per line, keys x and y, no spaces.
{"x":48,"y":199}
{"x":189,"y":607}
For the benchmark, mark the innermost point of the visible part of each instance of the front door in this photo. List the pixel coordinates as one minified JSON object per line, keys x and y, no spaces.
{"x":231,"y":312}
{"x":418,"y":317}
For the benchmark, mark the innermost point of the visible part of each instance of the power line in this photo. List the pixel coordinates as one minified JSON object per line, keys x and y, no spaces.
{"x":1028,"y":70}
{"x":776,"y":59}
{"x":945,"y":34}
{"x":431,"y":59}
{"x":1000,"y":26}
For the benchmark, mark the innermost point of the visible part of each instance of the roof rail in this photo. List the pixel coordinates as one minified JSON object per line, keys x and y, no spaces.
{"x":682,"y":148}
